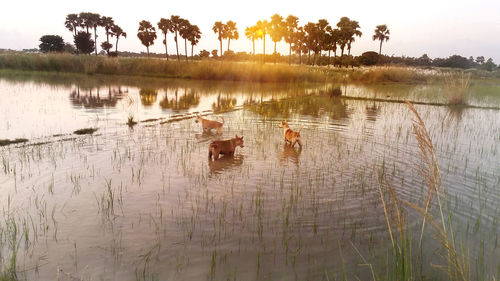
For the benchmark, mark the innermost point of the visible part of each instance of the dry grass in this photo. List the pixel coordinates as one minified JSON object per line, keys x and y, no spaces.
{"x":456,"y":87}
{"x":457,"y":265}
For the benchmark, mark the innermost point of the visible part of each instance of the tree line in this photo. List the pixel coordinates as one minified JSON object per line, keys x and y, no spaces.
{"x":311,"y":39}
{"x":91,"y":21}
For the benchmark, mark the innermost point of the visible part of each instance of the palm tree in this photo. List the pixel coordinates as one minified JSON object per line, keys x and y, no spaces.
{"x":72,"y":22}
{"x":353,"y":32}
{"x":322,"y":35}
{"x":176,"y":26}
{"x":184,"y":32}
{"x":147,"y":34}
{"x":194,"y":36}
{"x":85,"y":20}
{"x":291,"y":24}
{"x":344,"y":26}
{"x":276,"y":30}
{"x":381,"y":33}
{"x":219,"y":29}
{"x":231,"y":32}
{"x":311,"y":39}
{"x":299,"y":43}
{"x":252,"y":33}
{"x":91,"y":20}
{"x":107,"y":23}
{"x":263,"y":28}
{"x":117,"y":31}
{"x":332,"y":38}
{"x":165,"y":25}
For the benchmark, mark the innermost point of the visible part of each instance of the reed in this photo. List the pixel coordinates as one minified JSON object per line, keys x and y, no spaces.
{"x":456,"y":87}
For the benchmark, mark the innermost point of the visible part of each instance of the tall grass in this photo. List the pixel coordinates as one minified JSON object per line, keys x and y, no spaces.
{"x":202,"y":70}
{"x":456,"y":262}
{"x":456,"y":87}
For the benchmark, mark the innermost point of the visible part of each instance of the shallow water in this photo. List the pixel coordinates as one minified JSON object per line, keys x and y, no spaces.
{"x":145,"y":202}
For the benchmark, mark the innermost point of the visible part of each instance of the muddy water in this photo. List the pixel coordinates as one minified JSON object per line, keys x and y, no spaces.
{"x":145,"y":203}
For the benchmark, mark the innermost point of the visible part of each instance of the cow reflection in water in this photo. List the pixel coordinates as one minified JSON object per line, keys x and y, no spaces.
{"x":290,"y":154}
{"x":224,"y":163}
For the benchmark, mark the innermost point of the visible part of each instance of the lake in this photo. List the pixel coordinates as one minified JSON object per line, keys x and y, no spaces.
{"x":144,"y":202}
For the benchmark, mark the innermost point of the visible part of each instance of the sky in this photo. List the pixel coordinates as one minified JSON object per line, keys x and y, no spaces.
{"x":438,"y":28}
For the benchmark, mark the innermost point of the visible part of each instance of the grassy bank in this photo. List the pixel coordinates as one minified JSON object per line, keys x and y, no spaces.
{"x":202,"y":70}
{"x":211,"y":69}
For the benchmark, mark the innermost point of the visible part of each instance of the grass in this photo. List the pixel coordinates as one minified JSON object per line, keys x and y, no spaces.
{"x":85,"y":131}
{"x":4,"y":142}
{"x":456,"y":262}
{"x":201,"y":70}
{"x":456,"y":87}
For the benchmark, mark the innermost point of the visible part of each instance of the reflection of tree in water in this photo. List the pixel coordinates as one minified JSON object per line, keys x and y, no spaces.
{"x":372,"y":110}
{"x":223,"y":103}
{"x":148,"y":96}
{"x":95,"y":99}
{"x":183,"y":102}
{"x":334,"y":108}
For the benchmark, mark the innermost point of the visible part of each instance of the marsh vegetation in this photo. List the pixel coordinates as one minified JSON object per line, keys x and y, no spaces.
{"x":144,"y":203}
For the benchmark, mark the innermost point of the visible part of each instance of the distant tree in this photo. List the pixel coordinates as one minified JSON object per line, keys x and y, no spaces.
{"x":184,"y":32}
{"x":69,"y":48}
{"x":276,"y":30}
{"x":204,"y":54}
{"x":311,"y":39}
{"x":299,"y":45}
{"x":263,"y":28}
{"x":51,"y":43}
{"x":73,"y":21}
{"x":117,"y":31}
{"x":252,"y":33}
{"x":91,"y":20}
{"x":368,"y":58}
{"x":84,"y":43}
{"x":214,"y":53}
{"x":177,"y":23}
{"x":381,"y":33}
{"x":291,"y":25}
{"x":194,"y":36}
{"x":424,"y":60}
{"x":489,"y":65}
{"x":230,"y":32}
{"x":480,"y":60}
{"x":147,"y":34}
{"x":323,"y":35}
{"x":107,"y":23}
{"x":348,"y":30}
{"x":106,"y":46}
{"x":165,"y":25}
{"x":219,"y":28}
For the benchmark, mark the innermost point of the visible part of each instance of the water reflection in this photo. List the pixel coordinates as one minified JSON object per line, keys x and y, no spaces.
{"x":184,"y":102}
{"x":225,"y":102}
{"x":226,"y":162}
{"x":93,"y":98}
{"x":334,"y":107}
{"x":291,"y":154}
{"x":148,"y":96}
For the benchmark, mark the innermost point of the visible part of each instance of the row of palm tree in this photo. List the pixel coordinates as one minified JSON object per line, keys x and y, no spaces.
{"x":176,"y":25}
{"x":225,"y":31}
{"x":86,"y":21}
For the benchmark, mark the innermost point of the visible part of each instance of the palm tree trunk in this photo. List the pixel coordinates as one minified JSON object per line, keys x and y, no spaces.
{"x":380,"y":50}
{"x":220,"y":36}
{"x":308,"y":56}
{"x":300,"y":57}
{"x":264,"y":58}
{"x":228,"y":42}
{"x":107,"y":40}
{"x":147,"y":48}
{"x":95,"y":39}
{"x":177,"y":47}
{"x":185,"y":48}
{"x":116,"y":47}
{"x":166,"y":49}
{"x":328,"y":63}
{"x":290,"y":55}
{"x":253,"y":46}
{"x":192,"y":47}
